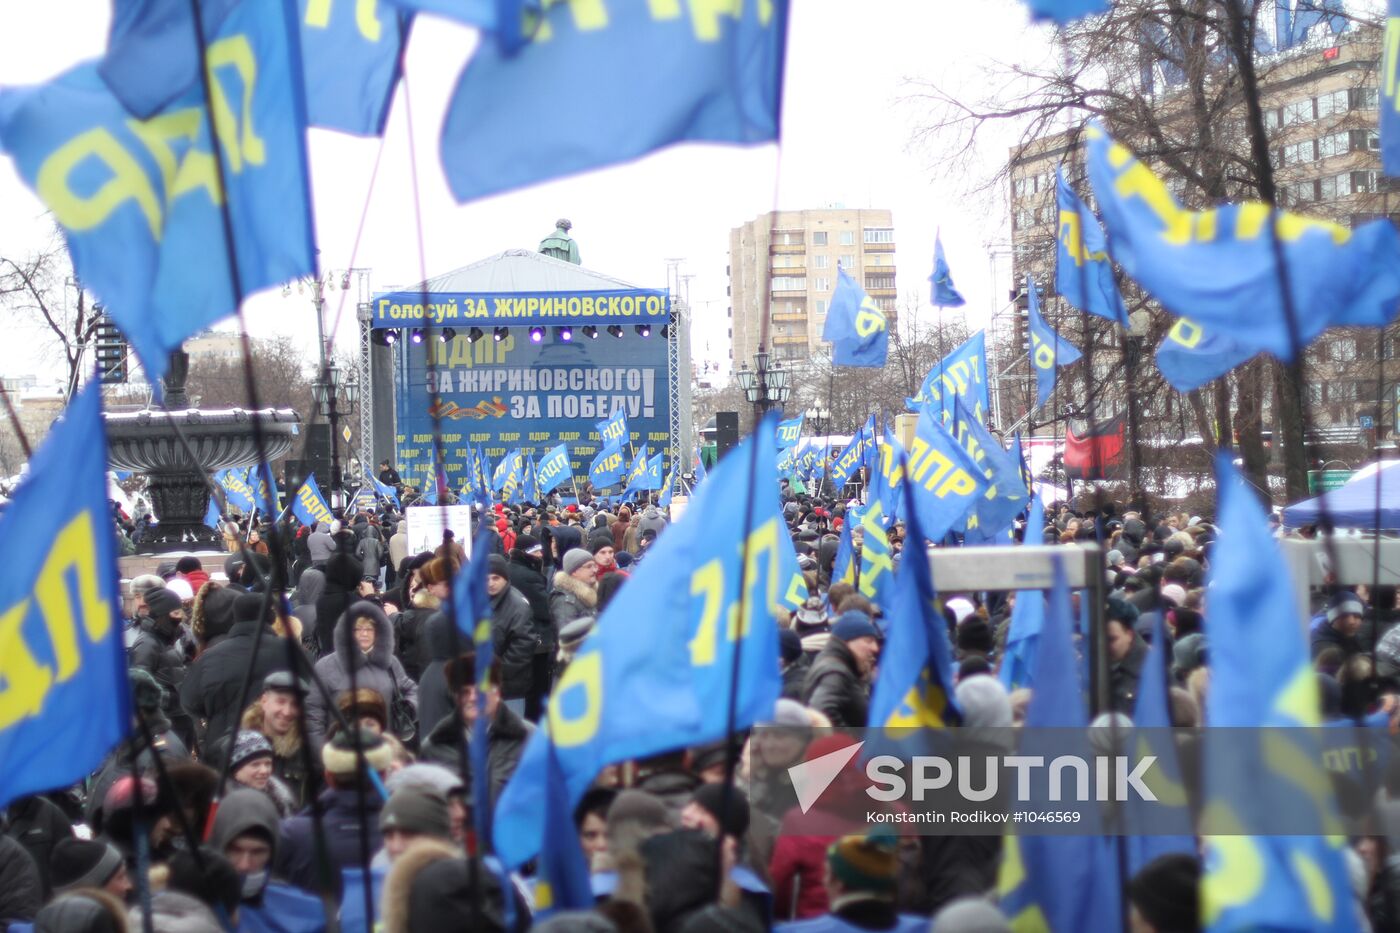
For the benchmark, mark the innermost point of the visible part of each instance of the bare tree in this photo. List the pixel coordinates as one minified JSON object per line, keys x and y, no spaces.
{"x":36,"y":287}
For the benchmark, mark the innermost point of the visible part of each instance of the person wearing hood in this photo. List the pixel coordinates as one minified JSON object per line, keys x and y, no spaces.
{"x":246,"y":831}
{"x":320,"y":545}
{"x":370,"y":551}
{"x":652,"y":520}
{"x":211,"y":615}
{"x":432,"y":887}
{"x":620,"y":526}
{"x":310,"y":586}
{"x":155,"y":652}
{"x":363,"y":660}
{"x":506,"y":733}
{"x":343,"y":575}
{"x":214,"y":683}
{"x":1126,"y":653}
{"x":513,"y":637}
{"x":575,"y":591}
{"x":527,"y":576}
{"x":838,"y":685}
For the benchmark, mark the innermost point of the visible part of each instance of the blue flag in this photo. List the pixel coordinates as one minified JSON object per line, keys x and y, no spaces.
{"x":946,"y":482}
{"x":1027,"y":616}
{"x":642,"y":76}
{"x":1190,"y":356}
{"x":351,"y":53}
{"x":1261,"y":677}
{"x":639,"y":464}
{"x":264,"y":489}
{"x":513,"y":486}
{"x":613,"y":431}
{"x":134,"y":198}
{"x":608,"y":467}
{"x":1295,"y":17}
{"x":889,"y":479}
{"x":383,"y":489}
{"x":1006,"y":495}
{"x":237,"y":492}
{"x":854,"y":455}
{"x":1058,"y":882}
{"x":1065,"y":11}
{"x":855,"y":325}
{"x":1390,"y":93}
{"x":649,"y":479}
{"x":152,"y":56}
{"x":915,"y":684}
{"x":959,"y":376}
{"x":1049,"y":350}
{"x":790,"y":432}
{"x":309,"y":506}
{"x":508,"y":21}
{"x":1218,"y":268}
{"x":843,"y":568}
{"x":62,"y":660}
{"x":1083,"y":272}
{"x":286,"y":909}
{"x":472,"y":605}
{"x":630,"y":692}
{"x":668,"y":488}
{"x":211,"y":514}
{"x":553,"y":469}
{"x":151,"y":246}
{"x":876,"y":558}
{"x":563,"y":881}
{"x":945,"y":294}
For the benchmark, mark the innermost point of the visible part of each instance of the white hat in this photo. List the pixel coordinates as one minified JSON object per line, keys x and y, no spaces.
{"x":961,"y":608}
{"x":181,"y":588}
{"x":1174,"y":593}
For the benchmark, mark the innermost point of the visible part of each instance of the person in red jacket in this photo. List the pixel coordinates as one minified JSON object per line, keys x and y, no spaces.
{"x":193,"y":572}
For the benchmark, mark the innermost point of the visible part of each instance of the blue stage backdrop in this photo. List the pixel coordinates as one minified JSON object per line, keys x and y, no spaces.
{"x":511,"y":393}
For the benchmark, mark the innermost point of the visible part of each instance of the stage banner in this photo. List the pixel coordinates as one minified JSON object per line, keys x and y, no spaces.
{"x":512,"y":393}
{"x":628,"y":306}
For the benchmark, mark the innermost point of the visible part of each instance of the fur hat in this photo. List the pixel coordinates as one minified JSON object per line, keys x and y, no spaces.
{"x":363,"y":702}
{"x":214,"y":611}
{"x":339,"y":758}
{"x":437,"y":570}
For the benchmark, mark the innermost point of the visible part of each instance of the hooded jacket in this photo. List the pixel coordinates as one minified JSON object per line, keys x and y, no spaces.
{"x":527,"y":576}
{"x":570,"y":599}
{"x":320,"y":544}
{"x":214,"y":682}
{"x":370,"y":551}
{"x":378,"y":670}
{"x":243,"y":810}
{"x":430,"y":889}
{"x":310,"y":586}
{"x":619,"y":528}
{"x":340,"y":818}
{"x":652,"y":520}
{"x":836,"y":688}
{"x":505,"y":743}
{"x":21,"y":891}
{"x":342,"y":581}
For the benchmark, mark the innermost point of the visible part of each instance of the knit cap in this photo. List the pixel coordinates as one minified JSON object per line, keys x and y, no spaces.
{"x":416,"y":809}
{"x":82,"y":863}
{"x":575,"y":558}
{"x":248,"y":746}
{"x":865,"y":863}
{"x":854,"y":624}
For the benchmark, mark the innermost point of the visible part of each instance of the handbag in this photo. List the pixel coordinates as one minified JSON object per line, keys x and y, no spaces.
{"x":403,"y":718}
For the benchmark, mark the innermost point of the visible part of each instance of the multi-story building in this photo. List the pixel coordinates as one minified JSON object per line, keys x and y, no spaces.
{"x":1320,"y":111}
{"x":792,"y":257}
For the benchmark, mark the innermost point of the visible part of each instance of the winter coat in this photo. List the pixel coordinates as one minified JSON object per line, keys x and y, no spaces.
{"x":619,"y":528}
{"x":214,"y":682}
{"x":505,"y":743}
{"x":434,"y":696}
{"x":570,"y":599}
{"x":369,"y":552}
{"x":38,"y":824}
{"x":527,"y":576}
{"x":342,"y":580}
{"x":514,"y":641}
{"x":652,"y":520}
{"x":398,"y":548}
{"x":1123,"y":678}
{"x":161,"y":659}
{"x":1325,"y":636}
{"x":631,"y":540}
{"x":320,"y":544}
{"x":21,"y":891}
{"x":411,"y":633}
{"x":835,"y":687}
{"x":310,"y":585}
{"x":379,"y":671}
{"x":295,"y":858}
{"x":566,"y":538}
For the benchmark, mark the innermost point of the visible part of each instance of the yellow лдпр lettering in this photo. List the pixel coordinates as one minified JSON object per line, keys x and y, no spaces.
{"x":584,"y":673}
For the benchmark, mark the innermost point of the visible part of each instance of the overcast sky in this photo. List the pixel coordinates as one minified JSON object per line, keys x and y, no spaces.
{"x":847,"y":127}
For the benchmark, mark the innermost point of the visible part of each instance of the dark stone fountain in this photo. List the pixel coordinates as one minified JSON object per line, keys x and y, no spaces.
{"x":146,"y":442}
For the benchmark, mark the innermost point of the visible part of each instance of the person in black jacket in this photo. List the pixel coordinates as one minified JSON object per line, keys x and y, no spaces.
{"x":155,"y":652}
{"x":214,"y":683}
{"x":513,"y":635}
{"x":505,"y":736}
{"x":527,"y":576}
{"x":39,"y":825}
{"x":343,"y":573}
{"x":838,"y":685}
{"x":1126,"y":653}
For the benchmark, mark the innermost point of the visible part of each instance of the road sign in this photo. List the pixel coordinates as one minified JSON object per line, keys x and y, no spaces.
{"x":1327,"y":480}
{"x":1366,"y":422}
{"x":345,"y":433}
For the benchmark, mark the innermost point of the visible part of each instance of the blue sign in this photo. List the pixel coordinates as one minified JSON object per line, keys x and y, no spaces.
{"x":514,"y":394}
{"x":519,"y":309}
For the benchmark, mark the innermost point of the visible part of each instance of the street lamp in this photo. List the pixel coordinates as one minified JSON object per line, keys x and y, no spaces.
{"x":820,"y":418}
{"x":764,"y":385}
{"x":328,"y":391}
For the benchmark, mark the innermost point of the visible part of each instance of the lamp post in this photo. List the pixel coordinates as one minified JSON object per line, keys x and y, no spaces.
{"x":327,"y":391}
{"x":1139,"y":328}
{"x":764,"y":385}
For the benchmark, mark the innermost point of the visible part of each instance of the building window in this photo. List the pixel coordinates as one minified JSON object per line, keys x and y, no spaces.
{"x":848,"y":261}
{"x":1315,"y":393}
{"x":848,"y":238}
{"x":1365,"y":98}
{"x":1363,"y":182}
{"x":821,"y":305}
{"x":886,"y":304}
{"x":879,"y":280}
{"x":789,"y":238}
{"x":879,"y":234}
{"x":821,"y":261}
{"x":1342,"y":350}
{"x":1334,"y":144}
{"x":1363,"y":140}
{"x":1305,"y":151}
{"x":1300,"y":111}
{"x":1271,"y":119}
{"x":822,"y":285}
{"x":1341,"y":391}
{"x":789,"y":283}
{"x":819,"y":238}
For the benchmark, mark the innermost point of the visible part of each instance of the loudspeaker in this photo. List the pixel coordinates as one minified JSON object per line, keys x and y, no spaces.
{"x":726,"y":432}
{"x":293,"y":475}
{"x":318,"y":453}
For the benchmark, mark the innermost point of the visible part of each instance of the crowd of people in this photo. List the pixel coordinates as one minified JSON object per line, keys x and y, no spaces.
{"x":280,"y":748}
